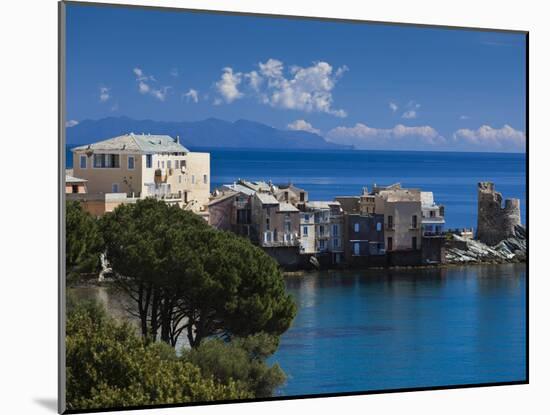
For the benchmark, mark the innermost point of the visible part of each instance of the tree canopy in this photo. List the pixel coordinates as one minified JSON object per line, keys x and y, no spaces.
{"x":185,"y":276}
{"x":108,"y":365}
{"x":243,"y":361}
{"x":84,"y":243}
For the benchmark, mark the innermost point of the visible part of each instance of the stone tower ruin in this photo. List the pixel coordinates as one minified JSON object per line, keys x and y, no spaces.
{"x":495,"y":222}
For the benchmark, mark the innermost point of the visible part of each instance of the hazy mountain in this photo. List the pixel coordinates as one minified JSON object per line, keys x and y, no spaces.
{"x":211,"y":132}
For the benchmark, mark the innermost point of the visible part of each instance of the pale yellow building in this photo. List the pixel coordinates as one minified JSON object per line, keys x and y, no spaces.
{"x":136,"y":166}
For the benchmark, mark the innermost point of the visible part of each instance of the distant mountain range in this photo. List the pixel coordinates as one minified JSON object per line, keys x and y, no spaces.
{"x":211,"y":132}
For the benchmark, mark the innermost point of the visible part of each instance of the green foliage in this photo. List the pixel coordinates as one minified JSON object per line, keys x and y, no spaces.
{"x":108,"y":365}
{"x":188,"y":277}
{"x":84,"y":243}
{"x":242,"y":361}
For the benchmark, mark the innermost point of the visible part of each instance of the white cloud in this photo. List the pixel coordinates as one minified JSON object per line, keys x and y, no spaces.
{"x":161,"y":93}
{"x":307,"y":89}
{"x":228,"y":85}
{"x":71,"y":123}
{"x":393,"y":106}
{"x":174,"y":72}
{"x":487,"y":138}
{"x":399,"y":137}
{"x":409,"y":115}
{"x":104,"y":93}
{"x":272,"y":69}
{"x":192,"y":95}
{"x":464,"y":117}
{"x":144,"y":85}
{"x":302,"y":125}
{"x":254,"y":80}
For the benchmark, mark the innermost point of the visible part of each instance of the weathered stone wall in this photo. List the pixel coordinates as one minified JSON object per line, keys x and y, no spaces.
{"x":495,"y":222}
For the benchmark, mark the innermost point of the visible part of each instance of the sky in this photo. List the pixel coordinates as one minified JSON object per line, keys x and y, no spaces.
{"x":373,"y":86}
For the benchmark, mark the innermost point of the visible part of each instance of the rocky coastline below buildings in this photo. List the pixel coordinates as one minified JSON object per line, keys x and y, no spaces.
{"x":460,"y":250}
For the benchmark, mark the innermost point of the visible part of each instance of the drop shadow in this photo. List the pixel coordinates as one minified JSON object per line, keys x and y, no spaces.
{"x":48,"y":403}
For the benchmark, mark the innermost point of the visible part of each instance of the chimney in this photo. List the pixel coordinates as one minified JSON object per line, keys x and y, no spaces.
{"x":178,"y":139}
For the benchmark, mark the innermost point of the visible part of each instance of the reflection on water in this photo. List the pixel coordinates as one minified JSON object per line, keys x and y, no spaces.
{"x":380,"y":329}
{"x":367,"y":330}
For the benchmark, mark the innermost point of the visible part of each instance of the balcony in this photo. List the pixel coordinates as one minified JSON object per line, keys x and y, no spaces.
{"x":274,"y":244}
{"x":434,"y":234}
{"x":389,"y":226}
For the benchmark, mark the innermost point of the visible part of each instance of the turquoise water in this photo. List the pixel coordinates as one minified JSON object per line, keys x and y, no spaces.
{"x":363,"y":331}
{"x":453,"y":177}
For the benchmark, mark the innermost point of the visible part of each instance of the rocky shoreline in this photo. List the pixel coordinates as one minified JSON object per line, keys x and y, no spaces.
{"x":461,"y":250}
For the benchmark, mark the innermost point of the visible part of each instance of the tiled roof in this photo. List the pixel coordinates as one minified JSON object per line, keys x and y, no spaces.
{"x":322,"y":204}
{"x":239,"y":188}
{"x":266,"y":198}
{"x":224,"y":196}
{"x":137,"y":143}
{"x":287,"y":207}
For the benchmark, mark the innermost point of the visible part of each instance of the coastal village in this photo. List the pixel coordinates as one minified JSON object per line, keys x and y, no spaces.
{"x":385,"y":225}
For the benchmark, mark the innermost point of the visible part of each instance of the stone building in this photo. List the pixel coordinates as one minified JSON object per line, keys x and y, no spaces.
{"x":494,"y":221}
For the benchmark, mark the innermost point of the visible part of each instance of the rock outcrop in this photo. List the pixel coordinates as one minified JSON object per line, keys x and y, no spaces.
{"x":461,"y":250}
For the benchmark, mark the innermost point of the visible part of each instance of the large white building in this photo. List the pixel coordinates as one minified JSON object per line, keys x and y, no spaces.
{"x":136,"y":166}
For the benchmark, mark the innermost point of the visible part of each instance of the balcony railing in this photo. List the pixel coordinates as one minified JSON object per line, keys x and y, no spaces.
{"x":292,"y":242}
{"x":434,"y":234}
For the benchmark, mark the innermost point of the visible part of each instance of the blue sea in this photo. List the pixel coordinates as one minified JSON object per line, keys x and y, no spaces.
{"x":453,"y":177}
{"x":371,"y":330}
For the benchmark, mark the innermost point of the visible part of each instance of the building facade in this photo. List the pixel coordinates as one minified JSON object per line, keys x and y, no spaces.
{"x":144,"y":165}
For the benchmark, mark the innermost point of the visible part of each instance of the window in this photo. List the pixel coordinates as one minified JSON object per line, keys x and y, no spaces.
{"x":321,"y":230}
{"x":286,"y":196}
{"x":305,"y":231}
{"x":335,"y":243}
{"x":356,"y":248}
{"x":287,"y":227}
{"x":335,"y":229}
{"x":162,"y":164}
{"x":185,"y":200}
{"x":390,"y":222}
{"x":302,"y":196}
{"x":74,"y":188}
{"x":356,"y":227}
{"x":322,"y":244}
{"x":83,"y":162}
{"x":114,"y":188}
{"x":306,"y":218}
{"x":414,"y":242}
{"x":414,"y":221}
{"x":390,"y":243}
{"x":267,"y":223}
{"x":131,"y":162}
{"x":177,"y":164}
{"x":148,"y":161}
{"x":106,"y":161}
{"x":205,"y":179}
{"x":169,"y":164}
{"x":378,"y":226}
